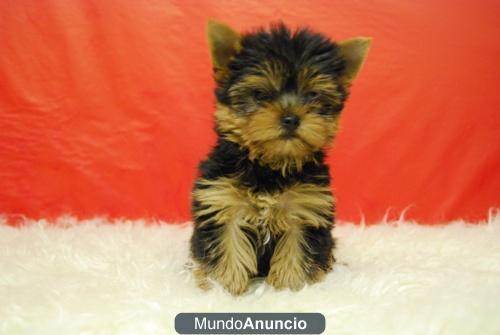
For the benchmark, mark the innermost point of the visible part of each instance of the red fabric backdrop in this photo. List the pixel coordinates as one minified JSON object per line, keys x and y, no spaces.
{"x":106,"y":106}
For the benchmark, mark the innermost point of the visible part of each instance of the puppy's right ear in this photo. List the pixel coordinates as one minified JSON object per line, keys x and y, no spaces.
{"x":224,"y":43}
{"x":354,"y":51}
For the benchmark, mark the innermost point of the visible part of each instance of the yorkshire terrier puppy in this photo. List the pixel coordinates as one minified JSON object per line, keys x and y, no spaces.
{"x":262,"y":204}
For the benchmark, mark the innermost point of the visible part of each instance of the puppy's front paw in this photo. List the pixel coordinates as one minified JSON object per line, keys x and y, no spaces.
{"x":236,"y":286}
{"x":286,"y":278}
{"x":288,"y":263}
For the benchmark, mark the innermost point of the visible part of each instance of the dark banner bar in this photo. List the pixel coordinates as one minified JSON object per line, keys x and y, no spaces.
{"x":250,"y":323}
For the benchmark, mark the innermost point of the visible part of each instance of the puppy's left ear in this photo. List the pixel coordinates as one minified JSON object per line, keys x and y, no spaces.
{"x":354,"y":51}
{"x":224,"y":43}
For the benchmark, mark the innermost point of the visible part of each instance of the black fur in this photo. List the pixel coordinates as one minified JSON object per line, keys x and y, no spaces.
{"x":293,"y":51}
{"x":228,"y":159}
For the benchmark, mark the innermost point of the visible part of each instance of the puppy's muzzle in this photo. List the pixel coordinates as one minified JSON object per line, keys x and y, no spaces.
{"x":290,"y":122}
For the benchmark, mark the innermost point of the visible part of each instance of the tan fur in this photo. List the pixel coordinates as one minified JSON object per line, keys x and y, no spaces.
{"x":308,"y":80}
{"x":238,"y":261}
{"x":311,"y":81}
{"x":229,"y":124}
{"x":238,"y":207}
{"x":270,"y":81}
{"x":354,"y":51}
{"x":262,"y":136}
{"x":299,"y":206}
{"x":288,"y":266}
{"x":319,"y":274}
{"x":224,"y":44}
{"x":201,"y":278}
{"x":304,"y":203}
{"x":258,"y":101}
{"x":261,"y":133}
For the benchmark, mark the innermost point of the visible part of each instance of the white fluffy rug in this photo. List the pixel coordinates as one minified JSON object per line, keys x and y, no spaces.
{"x":90,"y":277}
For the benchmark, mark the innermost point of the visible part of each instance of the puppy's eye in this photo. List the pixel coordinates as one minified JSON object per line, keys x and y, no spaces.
{"x":330,"y":109}
{"x":311,"y":95}
{"x":261,"y":95}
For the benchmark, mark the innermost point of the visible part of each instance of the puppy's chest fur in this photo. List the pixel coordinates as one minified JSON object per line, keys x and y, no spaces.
{"x":265,"y":203}
{"x":273,"y":213}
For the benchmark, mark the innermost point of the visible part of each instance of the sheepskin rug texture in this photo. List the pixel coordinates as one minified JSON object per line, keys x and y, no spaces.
{"x":93,"y":277}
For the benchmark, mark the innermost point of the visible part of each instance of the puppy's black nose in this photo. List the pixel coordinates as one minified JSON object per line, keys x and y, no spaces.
{"x":290,"y":122}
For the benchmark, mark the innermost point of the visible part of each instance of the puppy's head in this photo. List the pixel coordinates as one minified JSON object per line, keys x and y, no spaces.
{"x":280,"y":93}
